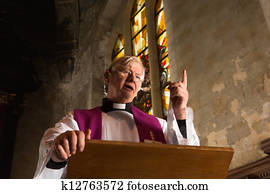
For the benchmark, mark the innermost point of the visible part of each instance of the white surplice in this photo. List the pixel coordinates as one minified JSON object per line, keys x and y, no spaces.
{"x":116,"y":126}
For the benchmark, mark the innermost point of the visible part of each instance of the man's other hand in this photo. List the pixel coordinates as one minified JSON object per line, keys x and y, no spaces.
{"x":68,"y":143}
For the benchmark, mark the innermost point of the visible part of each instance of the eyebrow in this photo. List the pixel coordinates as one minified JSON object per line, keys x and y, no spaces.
{"x":123,"y":67}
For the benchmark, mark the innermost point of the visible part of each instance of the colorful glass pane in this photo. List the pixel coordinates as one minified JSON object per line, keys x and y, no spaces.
{"x":165,"y":63}
{"x":137,"y":6}
{"x":138,"y":22}
{"x":165,"y":72}
{"x":140,"y":49}
{"x":144,"y":56}
{"x":120,"y":54}
{"x":160,"y":23}
{"x":163,"y":55}
{"x":140,"y":42}
{"x":162,"y":45}
{"x":159,"y":5}
{"x":118,"y":50}
{"x":165,"y":100}
{"x":165,"y":92}
{"x":143,"y":99}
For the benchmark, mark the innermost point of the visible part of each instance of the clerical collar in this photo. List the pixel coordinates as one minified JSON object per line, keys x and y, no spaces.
{"x":108,"y":105}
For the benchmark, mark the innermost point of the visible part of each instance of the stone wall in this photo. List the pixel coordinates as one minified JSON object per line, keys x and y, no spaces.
{"x":225,"y":46}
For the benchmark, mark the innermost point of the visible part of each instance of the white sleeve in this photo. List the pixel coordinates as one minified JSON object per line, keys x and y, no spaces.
{"x":172,"y":132}
{"x":46,"y":147}
{"x":192,"y":136}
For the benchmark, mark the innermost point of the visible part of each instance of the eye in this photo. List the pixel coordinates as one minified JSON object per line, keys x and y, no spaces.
{"x":139,"y":77}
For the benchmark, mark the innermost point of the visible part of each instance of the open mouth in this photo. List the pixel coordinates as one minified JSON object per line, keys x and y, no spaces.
{"x":128,"y":87}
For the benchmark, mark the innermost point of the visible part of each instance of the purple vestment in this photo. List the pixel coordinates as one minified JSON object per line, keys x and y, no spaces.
{"x":148,"y":126}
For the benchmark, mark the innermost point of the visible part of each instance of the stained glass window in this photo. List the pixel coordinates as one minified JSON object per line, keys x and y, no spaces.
{"x":140,"y":49}
{"x":161,"y":36}
{"x":118,"y":50}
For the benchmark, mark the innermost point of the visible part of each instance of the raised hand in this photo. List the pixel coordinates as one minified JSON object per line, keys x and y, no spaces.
{"x":68,"y":143}
{"x":179,"y":96}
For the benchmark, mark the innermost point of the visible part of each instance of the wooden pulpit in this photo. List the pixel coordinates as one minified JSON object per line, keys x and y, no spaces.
{"x":114,"y":159}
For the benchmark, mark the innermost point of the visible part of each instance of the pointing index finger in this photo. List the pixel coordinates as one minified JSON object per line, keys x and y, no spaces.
{"x":184,"y":78}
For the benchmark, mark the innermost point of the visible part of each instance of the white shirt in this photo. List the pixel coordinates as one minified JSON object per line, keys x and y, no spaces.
{"x":117,"y":126}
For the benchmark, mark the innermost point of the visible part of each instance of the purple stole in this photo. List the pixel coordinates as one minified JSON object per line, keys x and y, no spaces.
{"x":148,"y":126}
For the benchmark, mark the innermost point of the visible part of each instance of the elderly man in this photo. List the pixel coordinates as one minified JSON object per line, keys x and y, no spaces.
{"x":117,"y":119}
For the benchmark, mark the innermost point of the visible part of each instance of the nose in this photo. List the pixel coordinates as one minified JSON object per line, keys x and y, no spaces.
{"x":131,"y":76}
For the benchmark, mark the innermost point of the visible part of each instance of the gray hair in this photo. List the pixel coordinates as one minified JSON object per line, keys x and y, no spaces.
{"x":125,"y":61}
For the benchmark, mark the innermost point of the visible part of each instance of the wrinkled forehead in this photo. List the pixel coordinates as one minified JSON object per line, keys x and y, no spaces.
{"x":132,"y":64}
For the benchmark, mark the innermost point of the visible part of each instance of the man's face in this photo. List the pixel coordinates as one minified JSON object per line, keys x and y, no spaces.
{"x":124,"y":82}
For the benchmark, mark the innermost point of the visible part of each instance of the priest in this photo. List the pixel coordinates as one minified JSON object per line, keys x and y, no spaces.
{"x":117,"y":119}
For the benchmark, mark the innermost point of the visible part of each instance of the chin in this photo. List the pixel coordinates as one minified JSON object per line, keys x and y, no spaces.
{"x":127,"y":98}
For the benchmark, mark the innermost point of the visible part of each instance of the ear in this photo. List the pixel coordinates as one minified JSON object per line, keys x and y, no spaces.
{"x":106,"y":77}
